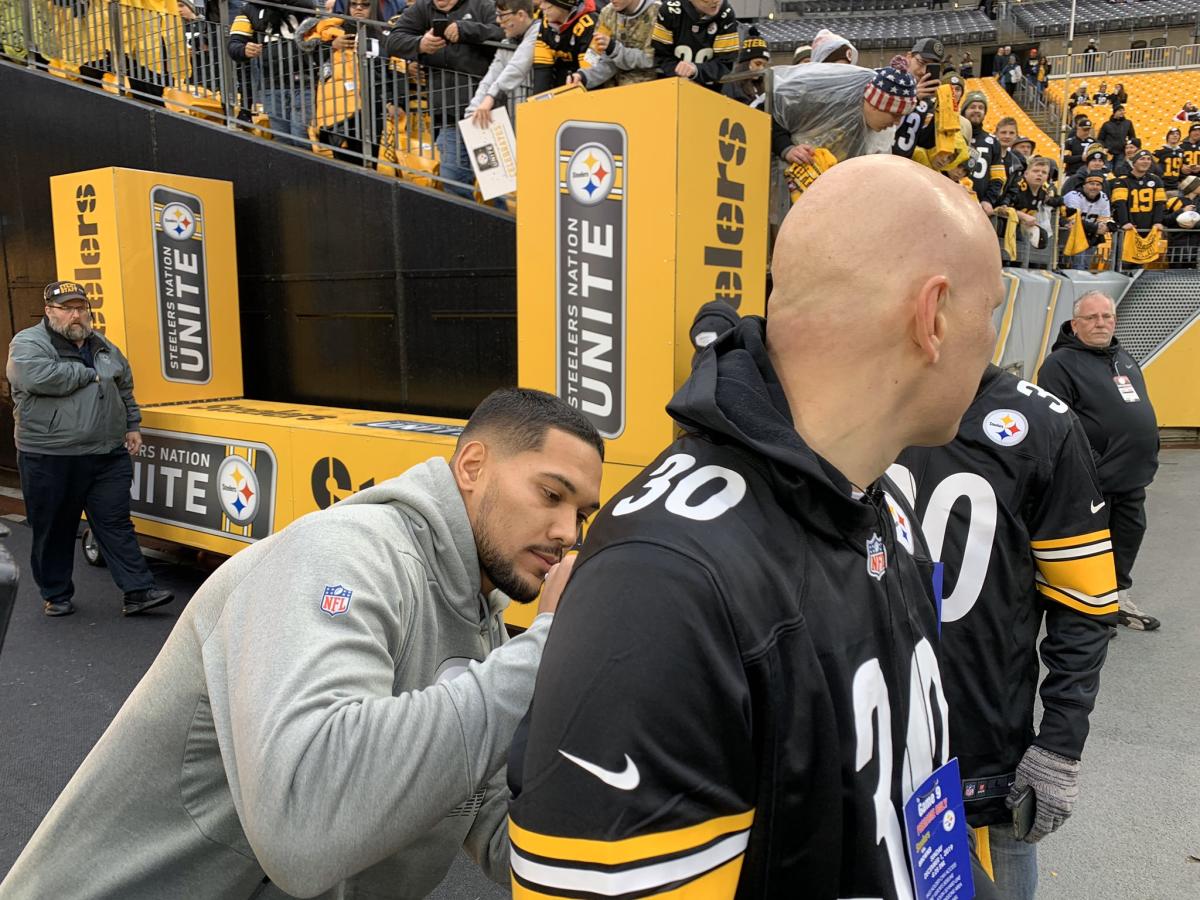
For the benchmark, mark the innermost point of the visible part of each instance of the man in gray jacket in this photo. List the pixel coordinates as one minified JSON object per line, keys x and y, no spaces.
{"x":334,"y":709}
{"x":77,"y":426}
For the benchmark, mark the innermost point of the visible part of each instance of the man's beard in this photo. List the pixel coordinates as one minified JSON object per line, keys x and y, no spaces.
{"x":500,"y":571}
{"x":73,"y":331}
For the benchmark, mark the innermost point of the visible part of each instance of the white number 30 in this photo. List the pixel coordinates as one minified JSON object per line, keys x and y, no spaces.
{"x":678,"y":495}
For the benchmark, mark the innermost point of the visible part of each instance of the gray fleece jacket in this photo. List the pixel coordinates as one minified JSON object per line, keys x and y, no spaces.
{"x":343,"y":754}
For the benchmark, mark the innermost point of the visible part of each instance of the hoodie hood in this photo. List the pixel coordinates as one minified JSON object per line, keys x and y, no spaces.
{"x":428,"y":497}
{"x":1069,"y":341}
{"x":734,"y":396}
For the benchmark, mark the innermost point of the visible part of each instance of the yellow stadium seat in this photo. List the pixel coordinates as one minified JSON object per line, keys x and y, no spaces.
{"x":1154,"y":99}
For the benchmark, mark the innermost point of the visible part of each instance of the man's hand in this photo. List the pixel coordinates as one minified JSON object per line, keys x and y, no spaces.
{"x":556,"y":581}
{"x":1026,"y":219}
{"x":987,"y":208}
{"x":430,"y":42}
{"x":344,"y":42}
{"x":253,"y":50}
{"x":1055,"y":783}
{"x":1128,"y":226}
{"x":133,"y":442}
{"x":927,"y":86}
{"x":801,"y":154}
{"x":686,"y":69}
{"x":576,"y":78}
{"x":483,"y":112}
{"x":452,"y":33}
{"x":600,"y":41}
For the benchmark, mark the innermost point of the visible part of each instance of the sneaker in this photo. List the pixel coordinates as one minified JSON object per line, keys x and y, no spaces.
{"x":59,"y":607}
{"x":1130,"y":616}
{"x":140,"y":601}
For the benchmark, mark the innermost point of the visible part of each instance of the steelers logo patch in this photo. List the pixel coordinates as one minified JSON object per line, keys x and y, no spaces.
{"x":902,"y":523}
{"x":1005,"y":427}
{"x":178,"y":222}
{"x":590,"y":174}
{"x":238,"y":487}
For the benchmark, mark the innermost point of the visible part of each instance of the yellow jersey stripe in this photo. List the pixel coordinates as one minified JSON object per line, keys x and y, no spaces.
{"x":542,"y":55}
{"x":241,"y":26}
{"x":640,"y":880}
{"x":1093,"y":577}
{"x":1066,"y":600}
{"x":643,"y":847}
{"x":662,"y":34}
{"x":1073,"y":552}
{"x":725,"y":41}
{"x":717,"y":884}
{"x":1077,"y":541}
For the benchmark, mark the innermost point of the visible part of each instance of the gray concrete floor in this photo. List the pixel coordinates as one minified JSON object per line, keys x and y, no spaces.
{"x":1134,"y":830}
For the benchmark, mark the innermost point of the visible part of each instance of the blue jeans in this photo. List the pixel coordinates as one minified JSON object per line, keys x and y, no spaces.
{"x":1014,"y":864}
{"x":455,"y":163}
{"x":1082,"y":260}
{"x":289,"y":110}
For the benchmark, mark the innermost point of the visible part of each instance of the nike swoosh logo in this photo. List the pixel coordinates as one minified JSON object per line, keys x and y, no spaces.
{"x":1096,"y":507}
{"x":622,"y":781}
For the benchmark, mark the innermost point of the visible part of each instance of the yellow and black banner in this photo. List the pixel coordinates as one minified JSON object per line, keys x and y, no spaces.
{"x":157,"y":257}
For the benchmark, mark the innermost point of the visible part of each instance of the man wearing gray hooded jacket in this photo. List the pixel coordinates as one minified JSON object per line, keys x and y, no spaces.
{"x":334,"y":709}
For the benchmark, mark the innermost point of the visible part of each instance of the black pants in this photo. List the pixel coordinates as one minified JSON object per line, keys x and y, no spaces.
{"x":57,"y":490}
{"x":1127,"y":522}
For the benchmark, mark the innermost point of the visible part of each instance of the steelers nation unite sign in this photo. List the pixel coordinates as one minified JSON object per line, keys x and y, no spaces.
{"x":590,"y":234}
{"x":182,"y":286}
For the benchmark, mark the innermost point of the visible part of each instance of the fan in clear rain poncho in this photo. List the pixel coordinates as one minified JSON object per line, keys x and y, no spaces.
{"x":842,"y":109}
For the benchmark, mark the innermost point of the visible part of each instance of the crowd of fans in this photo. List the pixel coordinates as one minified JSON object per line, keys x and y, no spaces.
{"x":434,"y":63}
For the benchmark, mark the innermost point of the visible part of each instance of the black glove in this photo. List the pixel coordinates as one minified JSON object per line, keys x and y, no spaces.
{"x":1055,"y":782}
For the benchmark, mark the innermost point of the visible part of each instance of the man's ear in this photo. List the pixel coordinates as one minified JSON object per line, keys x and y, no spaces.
{"x":468,"y":466}
{"x":929,"y":317}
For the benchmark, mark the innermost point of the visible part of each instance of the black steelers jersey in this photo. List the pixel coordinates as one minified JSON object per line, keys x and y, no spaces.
{"x":1013,"y":508}
{"x":915,"y":130}
{"x":1170,"y":160}
{"x":987,"y":172}
{"x":681,"y":34}
{"x":1191,"y":153}
{"x":1140,"y":201}
{"x":559,"y":51}
{"x":741,"y":685}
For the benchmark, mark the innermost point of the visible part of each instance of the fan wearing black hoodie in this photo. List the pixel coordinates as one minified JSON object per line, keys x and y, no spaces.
{"x":724,"y":706}
{"x":1103,"y":384}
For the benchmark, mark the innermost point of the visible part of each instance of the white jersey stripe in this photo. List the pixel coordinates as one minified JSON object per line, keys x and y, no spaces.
{"x":1073,"y":552}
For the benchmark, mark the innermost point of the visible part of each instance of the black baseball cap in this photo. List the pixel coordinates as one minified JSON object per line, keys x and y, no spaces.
{"x":929,"y":49}
{"x":1193,"y":127}
{"x":59,"y":292}
{"x":1083,"y":123}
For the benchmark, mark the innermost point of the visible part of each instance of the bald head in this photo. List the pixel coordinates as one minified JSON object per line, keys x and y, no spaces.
{"x":886,"y":275}
{"x":870,"y":226}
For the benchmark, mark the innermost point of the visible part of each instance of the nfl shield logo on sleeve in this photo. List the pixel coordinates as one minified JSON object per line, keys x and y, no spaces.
{"x":876,"y":557}
{"x":336,"y":599}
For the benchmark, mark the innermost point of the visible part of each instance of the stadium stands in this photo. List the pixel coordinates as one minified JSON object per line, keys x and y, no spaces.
{"x":828,"y":6}
{"x":873,"y":32}
{"x":1048,"y":18}
{"x":1154,"y":99}
{"x":1001,"y":105}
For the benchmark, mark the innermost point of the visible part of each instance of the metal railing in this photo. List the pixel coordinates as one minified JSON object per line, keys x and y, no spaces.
{"x":1182,"y":251}
{"x":326,"y":86}
{"x":1116,"y":62}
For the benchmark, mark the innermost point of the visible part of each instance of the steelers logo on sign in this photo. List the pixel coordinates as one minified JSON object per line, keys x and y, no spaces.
{"x":178,"y":222}
{"x":901,"y":521}
{"x":237,"y":486}
{"x":590,"y":174}
{"x":1005,"y":427}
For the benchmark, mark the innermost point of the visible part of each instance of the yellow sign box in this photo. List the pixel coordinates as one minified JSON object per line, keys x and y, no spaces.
{"x":637,"y":205}
{"x":156,"y":254}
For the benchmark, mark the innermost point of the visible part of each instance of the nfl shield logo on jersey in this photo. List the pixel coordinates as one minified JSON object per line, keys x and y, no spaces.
{"x":876,"y":557}
{"x":336,"y":599}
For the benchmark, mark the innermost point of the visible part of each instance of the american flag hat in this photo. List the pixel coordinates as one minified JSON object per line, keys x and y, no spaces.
{"x":892,"y":91}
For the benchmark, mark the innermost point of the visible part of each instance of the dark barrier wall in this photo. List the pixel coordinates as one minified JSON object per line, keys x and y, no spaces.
{"x":356,"y":290}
